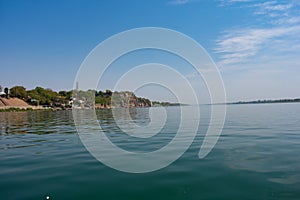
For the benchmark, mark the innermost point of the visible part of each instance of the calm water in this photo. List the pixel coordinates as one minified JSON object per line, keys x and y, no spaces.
{"x":257,"y":157}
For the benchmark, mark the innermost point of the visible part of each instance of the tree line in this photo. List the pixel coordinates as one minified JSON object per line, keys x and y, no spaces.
{"x":39,"y":95}
{"x":49,"y":97}
{"x":110,"y":99}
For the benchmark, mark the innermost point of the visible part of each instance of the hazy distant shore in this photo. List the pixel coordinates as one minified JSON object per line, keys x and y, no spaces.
{"x":297,"y":100}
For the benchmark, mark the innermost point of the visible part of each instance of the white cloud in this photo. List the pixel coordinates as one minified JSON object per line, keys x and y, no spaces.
{"x":242,"y":45}
{"x":178,"y":2}
{"x":230,"y":2}
{"x":272,"y":6}
{"x":286,"y":20}
{"x":261,"y":60}
{"x":237,"y":45}
{"x":278,"y":13}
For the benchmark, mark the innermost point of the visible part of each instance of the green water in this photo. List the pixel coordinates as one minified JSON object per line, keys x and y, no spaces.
{"x":257,"y":157}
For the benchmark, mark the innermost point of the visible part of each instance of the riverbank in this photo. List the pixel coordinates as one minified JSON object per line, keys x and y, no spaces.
{"x":16,"y":104}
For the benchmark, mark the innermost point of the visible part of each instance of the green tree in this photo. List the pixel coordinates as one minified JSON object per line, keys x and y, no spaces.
{"x":44,"y":96}
{"x":62,"y":93}
{"x":6,"y":92}
{"x":64,"y":97}
{"x":18,"y":91}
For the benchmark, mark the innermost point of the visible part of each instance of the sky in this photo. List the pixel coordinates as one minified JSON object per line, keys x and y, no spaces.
{"x":255,"y":44}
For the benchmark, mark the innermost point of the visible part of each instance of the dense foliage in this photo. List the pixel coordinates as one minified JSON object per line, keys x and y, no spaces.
{"x":103,"y":98}
{"x":40,"y":96}
{"x":48,"y":97}
{"x":109,"y":99}
{"x":18,"y":91}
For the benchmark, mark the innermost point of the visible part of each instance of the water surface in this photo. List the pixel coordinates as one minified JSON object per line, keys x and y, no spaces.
{"x":256,"y":157}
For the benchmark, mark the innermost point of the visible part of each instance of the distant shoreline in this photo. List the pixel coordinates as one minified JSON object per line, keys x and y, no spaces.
{"x":270,"y":101}
{"x":297,"y":100}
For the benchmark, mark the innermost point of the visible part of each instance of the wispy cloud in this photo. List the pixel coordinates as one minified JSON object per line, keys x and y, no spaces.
{"x":272,"y":6}
{"x":278,"y":13}
{"x":229,"y":2}
{"x":238,"y":45}
{"x":280,"y":35}
{"x":178,"y":2}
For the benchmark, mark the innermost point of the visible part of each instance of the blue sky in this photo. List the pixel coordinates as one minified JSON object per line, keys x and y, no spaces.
{"x":255,"y":44}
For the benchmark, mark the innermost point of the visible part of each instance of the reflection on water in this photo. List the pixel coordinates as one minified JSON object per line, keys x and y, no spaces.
{"x":37,"y":122}
{"x":257,"y":157}
{"x":22,"y":129}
